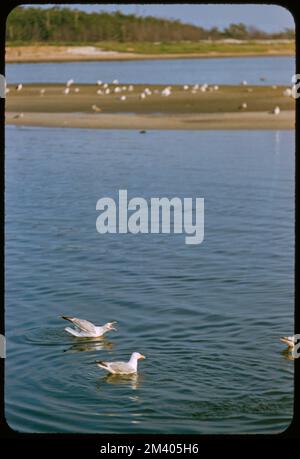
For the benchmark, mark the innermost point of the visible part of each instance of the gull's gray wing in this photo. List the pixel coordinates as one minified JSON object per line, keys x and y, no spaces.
{"x":120,"y":367}
{"x":82,"y":324}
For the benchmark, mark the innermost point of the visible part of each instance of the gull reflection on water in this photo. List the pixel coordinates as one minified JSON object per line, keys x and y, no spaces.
{"x":287,"y":354}
{"x":131,"y":381}
{"x":128,"y":380}
{"x":94,"y":344}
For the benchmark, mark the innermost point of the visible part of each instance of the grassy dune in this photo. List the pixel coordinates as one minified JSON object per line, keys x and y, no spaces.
{"x":205,"y":47}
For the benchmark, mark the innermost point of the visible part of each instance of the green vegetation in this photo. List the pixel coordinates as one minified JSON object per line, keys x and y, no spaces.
{"x":127,"y":32}
{"x":205,"y":47}
{"x":182,"y":48}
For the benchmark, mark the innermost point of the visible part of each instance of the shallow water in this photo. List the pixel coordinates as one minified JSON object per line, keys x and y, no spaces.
{"x":275,"y":70}
{"x":207,"y":317}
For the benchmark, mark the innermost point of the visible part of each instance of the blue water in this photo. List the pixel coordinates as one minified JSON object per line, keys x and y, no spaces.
{"x":275,"y":70}
{"x":208,"y":317}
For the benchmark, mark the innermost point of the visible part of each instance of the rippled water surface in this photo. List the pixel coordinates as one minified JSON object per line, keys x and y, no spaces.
{"x":274,"y":70}
{"x":207,"y":317}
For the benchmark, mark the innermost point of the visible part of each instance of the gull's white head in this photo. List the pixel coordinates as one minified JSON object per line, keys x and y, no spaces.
{"x":111,"y":326}
{"x":137,"y":356}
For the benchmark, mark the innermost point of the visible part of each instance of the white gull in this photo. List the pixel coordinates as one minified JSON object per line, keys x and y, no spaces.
{"x":122,"y":368}
{"x":85,"y":329}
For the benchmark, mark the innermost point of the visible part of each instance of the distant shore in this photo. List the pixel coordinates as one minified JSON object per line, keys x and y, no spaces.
{"x":115,"y":52}
{"x":226,"y":107}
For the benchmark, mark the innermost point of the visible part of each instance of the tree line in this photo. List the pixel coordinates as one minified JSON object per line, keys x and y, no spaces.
{"x":67,"y":25}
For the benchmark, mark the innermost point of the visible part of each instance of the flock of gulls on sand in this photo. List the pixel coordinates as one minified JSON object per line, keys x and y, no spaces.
{"x":105,"y":89}
{"x":85,"y":329}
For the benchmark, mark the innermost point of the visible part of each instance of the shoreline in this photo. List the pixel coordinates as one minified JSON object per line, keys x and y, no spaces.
{"x":205,"y":121}
{"x":40,"y":54}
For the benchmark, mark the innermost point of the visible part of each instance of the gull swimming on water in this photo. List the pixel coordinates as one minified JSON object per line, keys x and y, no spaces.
{"x":289,"y":340}
{"x":122,"y":368}
{"x":86,"y":329}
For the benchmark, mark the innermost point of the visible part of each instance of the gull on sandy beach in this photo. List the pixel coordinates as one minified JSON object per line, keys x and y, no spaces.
{"x":122,"y":368}
{"x":85,"y":329}
{"x":95,"y":108}
{"x":18,"y":116}
{"x":276,"y":110}
{"x":66,"y":91}
{"x":289,"y":340}
{"x":19,"y":87}
{"x":166,"y":92}
{"x":287,"y":92}
{"x":69,"y":82}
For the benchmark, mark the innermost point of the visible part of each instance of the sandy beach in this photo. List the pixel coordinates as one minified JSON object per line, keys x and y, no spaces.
{"x":207,"y":121}
{"x":48,"y":105}
{"x":50,"y":53}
